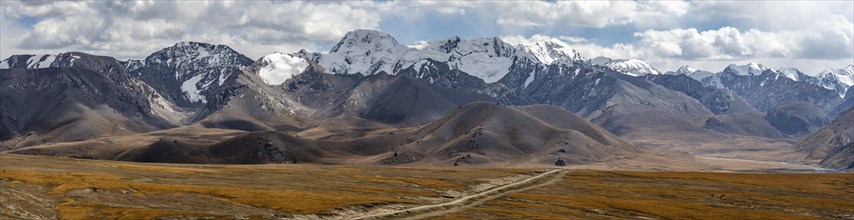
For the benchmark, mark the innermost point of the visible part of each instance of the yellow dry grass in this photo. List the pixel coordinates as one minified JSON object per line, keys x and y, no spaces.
{"x":422,"y":182}
{"x":110,"y":189}
{"x":290,"y":201}
{"x":686,"y":196}
{"x":72,"y":209}
{"x":264,"y":190}
{"x":171,"y":169}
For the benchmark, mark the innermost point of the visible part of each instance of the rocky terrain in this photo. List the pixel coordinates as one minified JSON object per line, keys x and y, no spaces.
{"x":832,"y":143}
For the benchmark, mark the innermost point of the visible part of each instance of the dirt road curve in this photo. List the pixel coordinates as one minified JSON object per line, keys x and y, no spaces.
{"x":465,"y":202}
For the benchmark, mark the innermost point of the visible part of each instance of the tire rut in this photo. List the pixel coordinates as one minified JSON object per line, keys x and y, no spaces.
{"x":469,"y":201}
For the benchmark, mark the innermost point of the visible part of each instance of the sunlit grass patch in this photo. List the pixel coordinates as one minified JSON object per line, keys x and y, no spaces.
{"x":291,"y":201}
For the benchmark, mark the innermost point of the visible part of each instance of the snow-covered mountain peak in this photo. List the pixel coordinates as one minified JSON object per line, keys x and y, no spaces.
{"x":551,"y":50}
{"x":846,"y":71}
{"x":749,"y":69}
{"x":632,"y":67}
{"x":839,"y":80}
{"x":686,"y":70}
{"x":363,"y":52}
{"x":198,"y":67}
{"x":278,"y":67}
{"x":791,"y":73}
{"x":365,"y":40}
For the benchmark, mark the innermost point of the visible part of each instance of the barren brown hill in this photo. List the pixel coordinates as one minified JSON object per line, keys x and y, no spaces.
{"x":478,"y":133}
{"x":490,"y":132}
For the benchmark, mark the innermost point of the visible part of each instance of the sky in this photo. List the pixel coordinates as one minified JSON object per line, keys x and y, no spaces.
{"x":707,"y":35}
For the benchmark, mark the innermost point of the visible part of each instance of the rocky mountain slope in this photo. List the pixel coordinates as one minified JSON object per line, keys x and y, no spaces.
{"x":764,"y":87}
{"x":797,"y":117}
{"x":832,"y":144}
{"x":75,"y":96}
{"x":188,"y":72}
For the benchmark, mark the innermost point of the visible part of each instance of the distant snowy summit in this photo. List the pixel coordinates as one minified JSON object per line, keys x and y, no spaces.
{"x":632,"y":67}
{"x":838,"y":80}
{"x":551,"y":51}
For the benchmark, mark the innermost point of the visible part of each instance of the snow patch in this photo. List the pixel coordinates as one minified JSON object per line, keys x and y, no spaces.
{"x":46,"y":61}
{"x":203,"y":53}
{"x":482,"y":66}
{"x":75,"y":57}
{"x":40,"y":61}
{"x":530,"y":78}
{"x":281,"y":67}
{"x":222,"y":78}
{"x":192,"y":91}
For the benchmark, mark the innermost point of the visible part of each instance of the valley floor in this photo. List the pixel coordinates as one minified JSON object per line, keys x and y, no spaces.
{"x":40,"y":187}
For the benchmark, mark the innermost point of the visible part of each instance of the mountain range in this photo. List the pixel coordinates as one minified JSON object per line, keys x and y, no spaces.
{"x":371,"y":99}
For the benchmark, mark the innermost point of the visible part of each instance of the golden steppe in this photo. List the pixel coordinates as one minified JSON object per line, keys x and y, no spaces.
{"x":40,"y":187}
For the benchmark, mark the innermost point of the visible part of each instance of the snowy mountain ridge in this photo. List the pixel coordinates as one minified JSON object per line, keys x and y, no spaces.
{"x":191,"y":69}
{"x":839,"y":80}
{"x":369,"y":52}
{"x":749,"y":69}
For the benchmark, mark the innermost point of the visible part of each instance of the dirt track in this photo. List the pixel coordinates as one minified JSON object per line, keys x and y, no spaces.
{"x":462,"y":203}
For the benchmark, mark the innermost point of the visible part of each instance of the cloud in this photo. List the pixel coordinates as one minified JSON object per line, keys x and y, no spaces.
{"x":572,"y":39}
{"x":831,"y":37}
{"x":587,"y":14}
{"x":828,"y":38}
{"x":768,"y":15}
{"x":519,"y":39}
{"x":134,"y":29}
